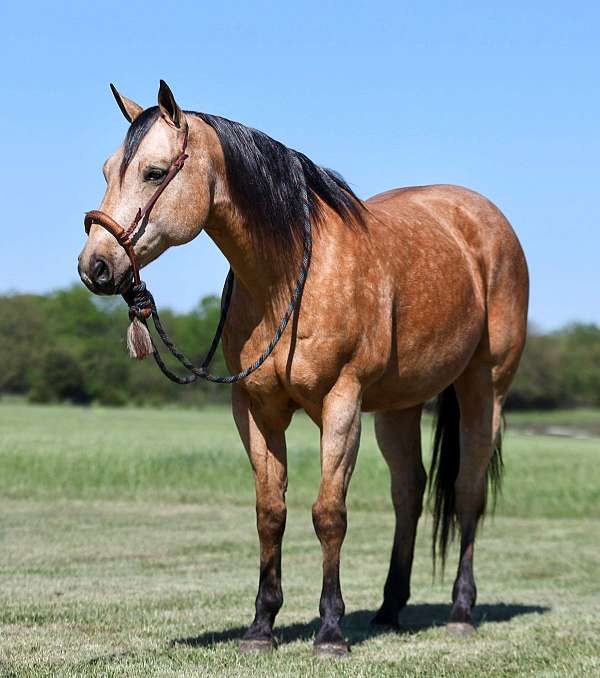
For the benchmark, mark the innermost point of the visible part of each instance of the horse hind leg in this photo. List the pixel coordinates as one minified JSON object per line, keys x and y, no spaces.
{"x":399,"y":438}
{"x":466,"y":460}
{"x":467,"y":454}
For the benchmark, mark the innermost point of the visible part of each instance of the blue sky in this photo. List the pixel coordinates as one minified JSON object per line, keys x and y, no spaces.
{"x":501,"y":97}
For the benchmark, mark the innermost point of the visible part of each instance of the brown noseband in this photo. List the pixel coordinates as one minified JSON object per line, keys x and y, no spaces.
{"x":122,"y":236}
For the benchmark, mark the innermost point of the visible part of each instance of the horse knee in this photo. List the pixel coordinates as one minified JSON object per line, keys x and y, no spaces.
{"x":329,"y":520}
{"x":270,"y":519}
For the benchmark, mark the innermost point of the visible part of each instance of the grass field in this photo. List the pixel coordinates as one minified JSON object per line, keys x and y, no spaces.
{"x":128,"y":548}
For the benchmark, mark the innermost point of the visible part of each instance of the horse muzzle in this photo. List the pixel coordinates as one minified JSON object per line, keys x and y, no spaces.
{"x":101,"y":266}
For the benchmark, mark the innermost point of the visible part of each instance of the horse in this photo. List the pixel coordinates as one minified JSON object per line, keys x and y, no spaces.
{"x":413,"y":294}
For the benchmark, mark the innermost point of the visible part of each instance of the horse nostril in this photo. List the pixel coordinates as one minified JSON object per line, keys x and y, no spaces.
{"x":100,"y":270}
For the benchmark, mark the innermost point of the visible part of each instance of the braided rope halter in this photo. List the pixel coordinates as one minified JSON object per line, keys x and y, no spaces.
{"x":141,"y":302}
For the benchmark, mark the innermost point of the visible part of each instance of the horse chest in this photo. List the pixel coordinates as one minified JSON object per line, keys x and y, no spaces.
{"x":303,"y":367}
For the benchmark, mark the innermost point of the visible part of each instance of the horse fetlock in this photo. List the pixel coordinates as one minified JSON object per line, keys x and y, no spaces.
{"x":461,"y":613}
{"x":261,"y":628}
{"x":387,"y":615}
{"x":330,"y":633}
{"x":464,"y":590}
{"x":331,"y":608}
{"x":395,"y":596}
{"x":396,"y":590}
{"x":268,"y":602}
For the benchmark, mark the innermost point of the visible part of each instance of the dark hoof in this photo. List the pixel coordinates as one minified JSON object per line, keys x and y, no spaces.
{"x":335,"y":650}
{"x":460,"y":628}
{"x":386,"y":619}
{"x":251,"y":646}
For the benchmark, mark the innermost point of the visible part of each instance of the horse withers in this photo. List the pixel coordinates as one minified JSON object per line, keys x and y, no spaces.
{"x":414,"y":293}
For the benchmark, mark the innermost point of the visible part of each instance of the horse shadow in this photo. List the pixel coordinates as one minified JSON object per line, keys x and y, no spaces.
{"x":357,"y":626}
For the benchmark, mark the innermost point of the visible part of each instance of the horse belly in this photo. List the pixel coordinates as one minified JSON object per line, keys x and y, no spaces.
{"x":438,"y":324}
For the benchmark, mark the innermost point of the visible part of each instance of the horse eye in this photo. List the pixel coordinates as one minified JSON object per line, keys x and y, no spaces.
{"x":154,"y":174}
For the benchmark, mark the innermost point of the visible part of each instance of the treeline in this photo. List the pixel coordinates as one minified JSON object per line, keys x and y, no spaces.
{"x":70,"y":346}
{"x":559,"y":369}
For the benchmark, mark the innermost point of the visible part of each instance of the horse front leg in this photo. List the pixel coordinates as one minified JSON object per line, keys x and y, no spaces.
{"x":266,"y":448}
{"x":340,"y":435}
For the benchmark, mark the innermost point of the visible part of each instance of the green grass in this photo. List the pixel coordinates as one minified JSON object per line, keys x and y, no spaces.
{"x":128,"y":548}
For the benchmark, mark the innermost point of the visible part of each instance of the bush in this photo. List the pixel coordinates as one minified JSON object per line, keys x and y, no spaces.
{"x":559,"y":369}
{"x":70,"y":346}
{"x":58,"y":378}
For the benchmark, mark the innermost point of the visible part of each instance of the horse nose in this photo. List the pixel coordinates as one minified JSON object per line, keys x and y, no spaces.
{"x":101,"y":275}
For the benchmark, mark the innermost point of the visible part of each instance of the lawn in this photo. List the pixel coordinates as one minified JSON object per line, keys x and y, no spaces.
{"x":128,"y":548}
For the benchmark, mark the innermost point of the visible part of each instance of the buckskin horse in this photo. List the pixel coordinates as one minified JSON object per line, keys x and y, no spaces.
{"x":414,"y":293}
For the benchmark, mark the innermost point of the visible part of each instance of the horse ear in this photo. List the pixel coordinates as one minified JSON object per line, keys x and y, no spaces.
{"x":129,"y":108}
{"x":168,"y":106}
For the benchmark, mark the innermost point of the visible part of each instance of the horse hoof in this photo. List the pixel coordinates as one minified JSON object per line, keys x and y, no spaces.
{"x":460,"y":628}
{"x":252,"y":646}
{"x":335,"y":650}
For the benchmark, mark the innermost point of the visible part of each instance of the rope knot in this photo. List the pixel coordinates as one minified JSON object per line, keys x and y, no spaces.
{"x":139,"y":300}
{"x":140,"y":303}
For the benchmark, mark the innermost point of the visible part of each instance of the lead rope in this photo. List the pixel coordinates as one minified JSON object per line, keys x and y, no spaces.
{"x":141,"y":305}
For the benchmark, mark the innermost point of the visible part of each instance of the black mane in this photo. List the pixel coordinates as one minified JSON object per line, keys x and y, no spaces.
{"x":265,"y":182}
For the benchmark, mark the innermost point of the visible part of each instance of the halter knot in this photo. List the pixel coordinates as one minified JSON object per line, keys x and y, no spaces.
{"x":139,"y":300}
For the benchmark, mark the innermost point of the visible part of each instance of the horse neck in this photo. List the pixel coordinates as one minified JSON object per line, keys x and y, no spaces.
{"x":266,"y":278}
{"x":262,"y":277}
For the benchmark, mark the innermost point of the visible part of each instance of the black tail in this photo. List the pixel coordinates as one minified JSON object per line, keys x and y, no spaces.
{"x":444,"y":471}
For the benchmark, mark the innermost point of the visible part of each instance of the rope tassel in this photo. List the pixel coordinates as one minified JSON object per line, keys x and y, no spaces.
{"x":139,"y":343}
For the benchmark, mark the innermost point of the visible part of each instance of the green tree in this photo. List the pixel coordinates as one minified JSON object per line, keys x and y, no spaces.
{"x":59,"y":377}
